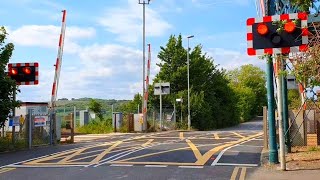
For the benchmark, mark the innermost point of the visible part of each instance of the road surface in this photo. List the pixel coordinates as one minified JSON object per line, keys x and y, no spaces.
{"x":232,"y":153}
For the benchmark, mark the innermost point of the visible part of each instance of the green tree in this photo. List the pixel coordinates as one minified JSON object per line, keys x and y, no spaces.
{"x":96,"y":107}
{"x":212,"y":100}
{"x":254,"y":78}
{"x":132,"y":106}
{"x":7,"y":85}
{"x":294,"y":99}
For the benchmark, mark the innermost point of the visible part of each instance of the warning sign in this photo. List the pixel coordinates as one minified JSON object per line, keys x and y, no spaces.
{"x":40,"y":121}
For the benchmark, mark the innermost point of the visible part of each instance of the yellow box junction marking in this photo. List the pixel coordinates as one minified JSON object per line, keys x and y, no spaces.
{"x":3,"y":170}
{"x":147,"y":143}
{"x":181,"y":135}
{"x":216,"y":136}
{"x":100,"y":156}
{"x":195,"y":150}
{"x":237,"y":134}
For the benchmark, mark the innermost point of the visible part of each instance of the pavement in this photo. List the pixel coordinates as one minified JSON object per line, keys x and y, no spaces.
{"x":232,"y":153}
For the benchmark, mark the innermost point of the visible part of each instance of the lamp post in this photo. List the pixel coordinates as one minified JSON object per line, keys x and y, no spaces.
{"x":189,"y":118}
{"x":144,"y":2}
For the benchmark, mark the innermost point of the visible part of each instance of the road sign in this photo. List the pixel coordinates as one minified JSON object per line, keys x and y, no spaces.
{"x":161,"y":88}
{"x":14,"y":121}
{"x":278,"y":34}
{"x":24,"y":73}
{"x":40,"y":121}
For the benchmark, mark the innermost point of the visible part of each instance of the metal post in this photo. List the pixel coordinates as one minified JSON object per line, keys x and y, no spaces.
{"x":265,"y":129}
{"x":160,"y":107}
{"x":174,"y":110}
{"x":285,"y":110}
{"x":189,"y":118}
{"x":273,"y":152}
{"x":280,"y":113}
{"x":30,"y":128}
{"x":74,"y":116}
{"x":143,"y":47}
{"x":13,"y":115}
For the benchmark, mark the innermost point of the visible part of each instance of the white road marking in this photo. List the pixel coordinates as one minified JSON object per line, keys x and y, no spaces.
{"x":236,"y":164}
{"x":191,"y":167}
{"x":156,"y":165}
{"x":121,"y":165}
{"x":45,"y":166}
{"x":223,"y":151}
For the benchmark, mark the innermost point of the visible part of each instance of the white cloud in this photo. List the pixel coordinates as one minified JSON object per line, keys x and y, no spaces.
{"x":126,"y":22}
{"x":48,"y":36}
{"x":229,"y":59}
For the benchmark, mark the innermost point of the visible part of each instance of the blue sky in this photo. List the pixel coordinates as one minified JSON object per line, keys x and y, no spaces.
{"x":103,"y":46}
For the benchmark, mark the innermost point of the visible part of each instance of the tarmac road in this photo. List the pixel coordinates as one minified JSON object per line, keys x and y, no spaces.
{"x":231,"y":153}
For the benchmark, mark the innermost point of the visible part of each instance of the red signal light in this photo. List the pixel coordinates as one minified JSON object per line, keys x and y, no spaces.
{"x":290,"y":27}
{"x":27,"y":70}
{"x":13,"y":71}
{"x":262,"y":29}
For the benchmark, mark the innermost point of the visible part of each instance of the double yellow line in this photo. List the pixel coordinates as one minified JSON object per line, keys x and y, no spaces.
{"x":3,"y":170}
{"x":235,"y":173}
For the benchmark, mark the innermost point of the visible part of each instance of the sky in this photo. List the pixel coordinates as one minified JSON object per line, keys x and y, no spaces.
{"x":103,"y":41}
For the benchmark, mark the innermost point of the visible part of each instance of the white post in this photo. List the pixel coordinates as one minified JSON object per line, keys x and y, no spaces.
{"x":160,"y":108}
{"x":74,"y":117}
{"x":280,"y":110}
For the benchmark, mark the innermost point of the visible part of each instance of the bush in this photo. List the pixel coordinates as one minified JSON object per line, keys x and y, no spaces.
{"x":96,"y":127}
{"x":6,"y":144}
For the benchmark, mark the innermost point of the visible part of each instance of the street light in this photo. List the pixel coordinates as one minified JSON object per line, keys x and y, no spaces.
{"x":180,"y":100}
{"x":189,"y":118}
{"x":144,"y":2}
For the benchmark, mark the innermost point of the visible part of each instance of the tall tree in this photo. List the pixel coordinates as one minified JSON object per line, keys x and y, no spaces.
{"x":7,"y":85}
{"x":212,"y":100}
{"x":249,"y":76}
{"x":132,"y":106}
{"x":96,"y":107}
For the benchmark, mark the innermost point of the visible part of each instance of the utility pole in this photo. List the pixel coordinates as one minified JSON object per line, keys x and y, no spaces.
{"x":160,"y":107}
{"x":189,"y":118}
{"x":144,"y":2}
{"x":14,"y":114}
{"x":273,"y":151}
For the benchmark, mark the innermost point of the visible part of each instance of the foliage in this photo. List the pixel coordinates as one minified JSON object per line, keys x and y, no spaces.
{"x":7,"y":85}
{"x":96,"y":127}
{"x":6,"y":144}
{"x":212,"y":100}
{"x":294,"y":99}
{"x":132,"y":106}
{"x":303,"y":5}
{"x":252,"y":77}
{"x":96,"y":107}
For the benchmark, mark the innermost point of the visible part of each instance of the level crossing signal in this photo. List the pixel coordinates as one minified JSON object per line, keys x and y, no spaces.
{"x":278,"y":34}
{"x":24,"y":73}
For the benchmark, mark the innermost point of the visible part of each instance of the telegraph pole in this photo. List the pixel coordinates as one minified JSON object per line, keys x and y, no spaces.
{"x":144,"y":2}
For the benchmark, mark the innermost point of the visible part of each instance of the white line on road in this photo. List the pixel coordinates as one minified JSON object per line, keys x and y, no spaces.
{"x":156,"y":165}
{"x":235,"y":164}
{"x":223,"y":151}
{"x":191,"y":167}
{"x":44,"y":166}
{"x":121,"y":165}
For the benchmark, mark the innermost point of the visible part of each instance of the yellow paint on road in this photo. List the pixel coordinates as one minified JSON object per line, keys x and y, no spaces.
{"x":237,"y":134}
{"x":3,"y":170}
{"x":211,"y":152}
{"x":100,"y":156}
{"x":216,"y":136}
{"x":67,"y":158}
{"x":181,"y":135}
{"x":243,"y":173}
{"x":234,"y":173}
{"x":147,"y":143}
{"x":154,"y":163}
{"x":195,"y":150}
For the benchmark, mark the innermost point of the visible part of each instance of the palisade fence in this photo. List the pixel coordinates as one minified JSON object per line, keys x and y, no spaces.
{"x":34,"y":130}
